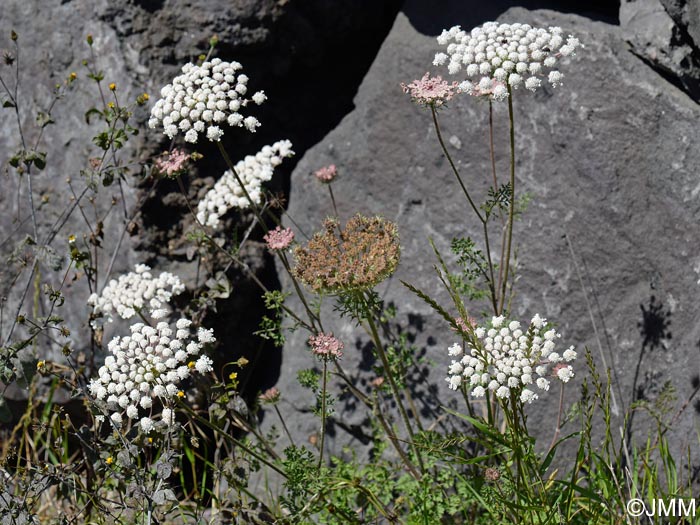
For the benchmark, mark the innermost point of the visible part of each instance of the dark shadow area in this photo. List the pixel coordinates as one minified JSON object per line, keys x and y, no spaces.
{"x":430,"y":18}
{"x":310,"y":58}
{"x":654,"y":330}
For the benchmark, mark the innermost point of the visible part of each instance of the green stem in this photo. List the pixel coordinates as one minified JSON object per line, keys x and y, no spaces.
{"x":221,"y":432}
{"x":452,"y":165}
{"x":335,"y":208}
{"x":492,"y":283}
{"x":323,"y":413}
{"x":483,"y":219}
{"x":394,"y":388}
{"x":511,"y":208}
{"x":253,"y":204}
{"x":313,"y":318}
{"x":394,"y":440}
{"x":284,"y":425}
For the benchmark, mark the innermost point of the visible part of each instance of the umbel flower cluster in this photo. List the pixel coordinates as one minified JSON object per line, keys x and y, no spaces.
{"x":358,"y":257}
{"x":146,"y":367}
{"x":253,"y":170}
{"x":506,"y":360}
{"x":134,"y":291}
{"x":495,"y":56}
{"x":430,"y":91}
{"x":202,"y":99}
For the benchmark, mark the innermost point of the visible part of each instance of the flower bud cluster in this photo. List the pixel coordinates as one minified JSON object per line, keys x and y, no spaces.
{"x":506,"y":360}
{"x":134,"y":291}
{"x":146,"y":367}
{"x":202,"y":99}
{"x":252,"y":171}
{"x":430,"y":91}
{"x":496,"y":56}
{"x":326,"y":346}
{"x":279,"y":239}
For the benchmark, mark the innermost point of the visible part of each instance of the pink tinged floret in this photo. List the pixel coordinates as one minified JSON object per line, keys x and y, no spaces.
{"x":326,"y":346}
{"x":279,"y":239}
{"x":430,"y":91}
{"x":327,"y":173}
{"x":171,"y":163}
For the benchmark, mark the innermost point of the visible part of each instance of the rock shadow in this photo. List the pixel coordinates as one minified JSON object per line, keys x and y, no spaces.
{"x":430,"y":18}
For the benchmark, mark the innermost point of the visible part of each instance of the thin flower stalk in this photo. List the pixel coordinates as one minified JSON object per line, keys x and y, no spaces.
{"x":236,"y":260}
{"x":379,"y":346}
{"x":256,"y":209}
{"x":505,"y":259}
{"x":490,"y":278}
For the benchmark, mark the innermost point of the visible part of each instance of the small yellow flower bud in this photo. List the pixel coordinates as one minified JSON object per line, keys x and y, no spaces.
{"x":73,"y":75}
{"x":40,"y":365}
{"x":233,"y":376}
{"x":190,"y":365}
{"x":180,"y":394}
{"x":109,"y":460}
{"x":89,"y":39}
{"x":110,"y":105}
{"x":71,"y":239}
{"x":112,"y":86}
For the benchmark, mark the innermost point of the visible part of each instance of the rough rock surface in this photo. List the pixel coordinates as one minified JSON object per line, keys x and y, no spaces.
{"x":665,"y":35}
{"x":608,"y":160}
{"x":301,"y":53}
{"x":607,"y":246}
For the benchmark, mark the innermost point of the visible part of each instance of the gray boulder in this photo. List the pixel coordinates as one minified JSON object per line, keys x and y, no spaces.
{"x":607,"y":246}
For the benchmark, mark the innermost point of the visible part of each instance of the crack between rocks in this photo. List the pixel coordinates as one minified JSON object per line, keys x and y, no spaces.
{"x":667,"y":74}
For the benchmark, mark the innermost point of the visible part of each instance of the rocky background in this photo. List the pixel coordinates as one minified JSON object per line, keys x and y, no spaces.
{"x":608,"y":247}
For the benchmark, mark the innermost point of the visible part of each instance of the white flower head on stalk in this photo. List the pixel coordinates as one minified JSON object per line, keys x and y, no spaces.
{"x":506,"y":360}
{"x":203,"y":99}
{"x":495,"y":56}
{"x":253,"y":171}
{"x":135,"y":291}
{"x":148,"y":366}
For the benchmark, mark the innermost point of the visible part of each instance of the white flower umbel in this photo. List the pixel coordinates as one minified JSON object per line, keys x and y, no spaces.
{"x":146,"y":366}
{"x":507,"y":361}
{"x":253,"y":171}
{"x":203,"y":99}
{"x":134,"y":291}
{"x":495,"y":55}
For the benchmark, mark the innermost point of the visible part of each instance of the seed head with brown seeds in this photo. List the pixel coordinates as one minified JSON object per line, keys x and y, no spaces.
{"x":358,"y":257}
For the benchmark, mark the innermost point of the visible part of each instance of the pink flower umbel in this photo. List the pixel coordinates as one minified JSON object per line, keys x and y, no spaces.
{"x":279,"y":239}
{"x":430,"y":91}
{"x":270,"y":396}
{"x":171,"y":162}
{"x":326,"y":346}
{"x":326,"y":174}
